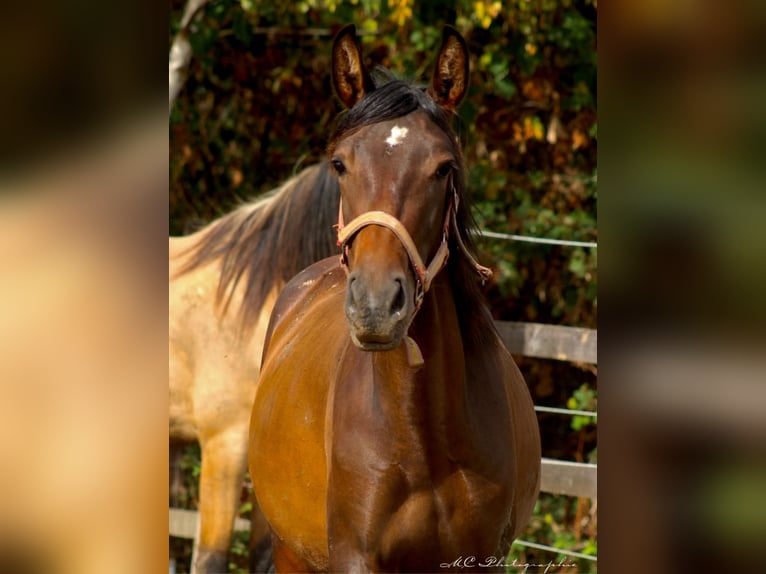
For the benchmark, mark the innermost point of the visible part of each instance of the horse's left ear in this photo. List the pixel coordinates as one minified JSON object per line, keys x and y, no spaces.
{"x":450,"y":79}
{"x":350,"y":78}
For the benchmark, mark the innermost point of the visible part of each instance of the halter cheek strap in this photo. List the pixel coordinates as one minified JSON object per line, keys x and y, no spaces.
{"x":424,"y":275}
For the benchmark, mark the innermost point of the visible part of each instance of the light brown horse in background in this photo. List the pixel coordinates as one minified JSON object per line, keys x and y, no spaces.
{"x":223,"y":283}
{"x":391,"y":429}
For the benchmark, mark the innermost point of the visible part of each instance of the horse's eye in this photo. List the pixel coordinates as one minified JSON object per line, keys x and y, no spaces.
{"x":338,"y":166}
{"x":444,"y":170}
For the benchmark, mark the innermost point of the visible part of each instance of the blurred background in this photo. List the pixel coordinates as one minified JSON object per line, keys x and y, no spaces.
{"x":683,"y":269}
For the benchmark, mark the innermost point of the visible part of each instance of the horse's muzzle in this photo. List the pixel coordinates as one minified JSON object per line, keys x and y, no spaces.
{"x":378,"y":314}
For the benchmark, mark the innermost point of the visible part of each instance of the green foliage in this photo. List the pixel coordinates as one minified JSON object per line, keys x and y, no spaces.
{"x":186,"y":495}
{"x":238,"y":553}
{"x":561,"y":522}
{"x":189,"y":464}
{"x":583,"y":399}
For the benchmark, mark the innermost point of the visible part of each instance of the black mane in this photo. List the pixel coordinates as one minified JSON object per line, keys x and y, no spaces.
{"x":392,"y":98}
{"x":266,"y":242}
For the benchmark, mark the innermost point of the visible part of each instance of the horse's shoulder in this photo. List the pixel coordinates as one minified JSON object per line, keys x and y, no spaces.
{"x":316,"y":280}
{"x":489,"y":362}
{"x":500,"y":377}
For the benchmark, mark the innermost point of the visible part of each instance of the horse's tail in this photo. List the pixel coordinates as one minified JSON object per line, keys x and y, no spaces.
{"x":266,"y":242}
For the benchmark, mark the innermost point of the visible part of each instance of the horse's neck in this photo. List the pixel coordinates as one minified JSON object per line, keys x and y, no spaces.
{"x":436,"y":327}
{"x":433,"y":394}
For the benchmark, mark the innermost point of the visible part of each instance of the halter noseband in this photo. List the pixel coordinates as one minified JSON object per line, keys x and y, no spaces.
{"x":424,"y":275}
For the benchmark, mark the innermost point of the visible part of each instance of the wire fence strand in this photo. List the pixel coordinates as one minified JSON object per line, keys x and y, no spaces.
{"x":571,"y":412}
{"x":571,"y":553}
{"x":529,"y":239}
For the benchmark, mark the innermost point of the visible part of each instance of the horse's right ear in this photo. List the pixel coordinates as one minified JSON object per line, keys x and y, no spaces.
{"x":349,"y":76}
{"x":449,"y":83}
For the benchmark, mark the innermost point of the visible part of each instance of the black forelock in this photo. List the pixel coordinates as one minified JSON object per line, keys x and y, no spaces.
{"x":392,"y":98}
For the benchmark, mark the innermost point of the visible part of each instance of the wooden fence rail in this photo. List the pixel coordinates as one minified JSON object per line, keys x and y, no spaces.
{"x":570,"y":478}
{"x":574,"y":344}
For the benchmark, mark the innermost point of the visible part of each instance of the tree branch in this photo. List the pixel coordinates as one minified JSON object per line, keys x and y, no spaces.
{"x":181,"y":52}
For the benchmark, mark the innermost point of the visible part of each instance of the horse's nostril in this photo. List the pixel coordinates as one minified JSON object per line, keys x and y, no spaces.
{"x":351,"y":296}
{"x":354,"y":289}
{"x":397,"y":304}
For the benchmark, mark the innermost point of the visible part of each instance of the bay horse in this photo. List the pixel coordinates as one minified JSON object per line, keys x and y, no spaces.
{"x":391,"y":429}
{"x":223,"y":284}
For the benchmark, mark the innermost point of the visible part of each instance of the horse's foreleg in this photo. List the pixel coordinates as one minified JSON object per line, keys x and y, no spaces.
{"x":223,"y":470}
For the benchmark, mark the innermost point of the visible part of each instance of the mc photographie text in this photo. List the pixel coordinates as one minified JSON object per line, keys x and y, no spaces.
{"x":501,"y":561}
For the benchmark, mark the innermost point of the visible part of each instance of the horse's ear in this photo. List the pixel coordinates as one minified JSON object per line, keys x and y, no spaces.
{"x":450,"y":79}
{"x":350,"y":78}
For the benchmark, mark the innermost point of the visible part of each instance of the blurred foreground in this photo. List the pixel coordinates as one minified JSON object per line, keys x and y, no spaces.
{"x":83,"y":359}
{"x":683,"y":271}
{"x":83,"y":288}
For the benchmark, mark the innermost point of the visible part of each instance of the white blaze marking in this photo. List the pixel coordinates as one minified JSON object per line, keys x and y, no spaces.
{"x":397,"y":136}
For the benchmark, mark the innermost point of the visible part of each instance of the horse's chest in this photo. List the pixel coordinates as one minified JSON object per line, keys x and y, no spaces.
{"x":431,"y":526}
{"x":421,"y":518}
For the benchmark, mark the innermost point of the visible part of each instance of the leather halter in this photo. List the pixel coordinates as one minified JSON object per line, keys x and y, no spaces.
{"x":424,"y":275}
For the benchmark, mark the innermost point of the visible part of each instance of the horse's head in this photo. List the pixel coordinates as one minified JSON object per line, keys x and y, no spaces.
{"x":397,"y":161}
